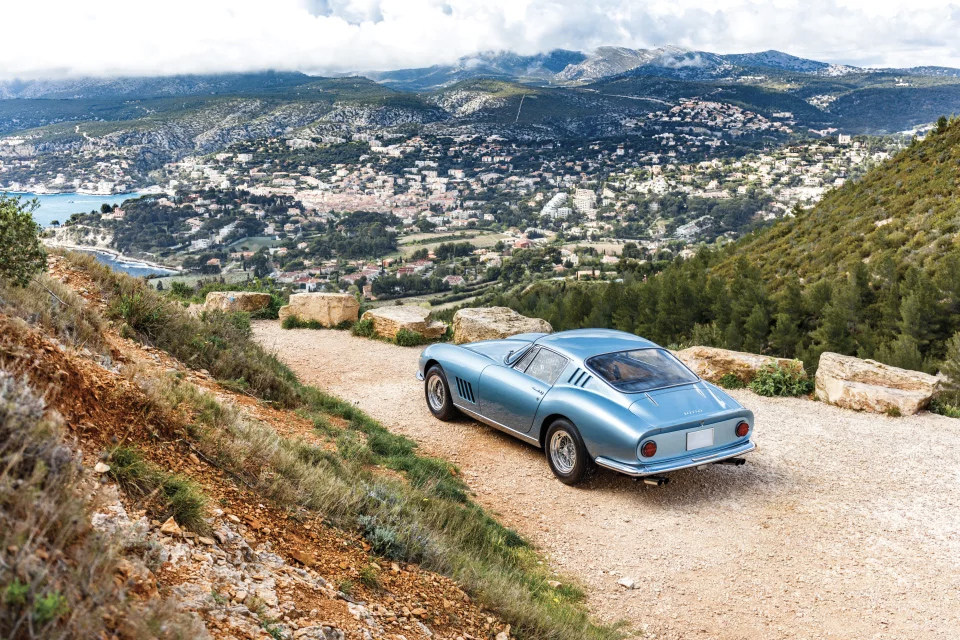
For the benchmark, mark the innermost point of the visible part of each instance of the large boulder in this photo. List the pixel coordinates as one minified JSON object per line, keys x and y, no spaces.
{"x":867,"y":385}
{"x":236,"y":301}
{"x":328,"y":309}
{"x":388,"y":320}
{"x":492,"y":323}
{"x":712,"y":364}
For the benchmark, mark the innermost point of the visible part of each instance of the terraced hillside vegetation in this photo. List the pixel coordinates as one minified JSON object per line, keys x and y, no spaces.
{"x":163,"y":476}
{"x":905,"y":210}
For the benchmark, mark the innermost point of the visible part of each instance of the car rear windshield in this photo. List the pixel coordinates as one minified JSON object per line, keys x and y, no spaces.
{"x":641,"y":370}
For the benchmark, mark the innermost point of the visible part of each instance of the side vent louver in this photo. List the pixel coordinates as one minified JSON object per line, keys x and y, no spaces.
{"x":579,"y":378}
{"x":465,"y":390}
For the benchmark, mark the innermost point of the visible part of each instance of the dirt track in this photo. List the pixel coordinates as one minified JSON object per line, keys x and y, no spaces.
{"x":829,"y":531}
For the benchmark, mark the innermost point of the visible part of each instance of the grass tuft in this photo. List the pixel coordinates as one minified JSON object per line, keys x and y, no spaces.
{"x":164,"y":493}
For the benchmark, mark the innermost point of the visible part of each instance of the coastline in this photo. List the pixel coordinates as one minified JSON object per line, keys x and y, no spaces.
{"x":116,"y":255}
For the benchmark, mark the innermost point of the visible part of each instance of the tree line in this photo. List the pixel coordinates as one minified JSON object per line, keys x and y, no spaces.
{"x":901,"y":316}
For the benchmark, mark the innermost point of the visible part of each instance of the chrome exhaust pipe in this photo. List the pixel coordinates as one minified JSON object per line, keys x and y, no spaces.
{"x":732,"y":461}
{"x":656,"y":481}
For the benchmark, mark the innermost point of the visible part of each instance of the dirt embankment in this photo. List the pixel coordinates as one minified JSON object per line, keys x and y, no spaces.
{"x":260,"y":568}
{"x":841,"y":525}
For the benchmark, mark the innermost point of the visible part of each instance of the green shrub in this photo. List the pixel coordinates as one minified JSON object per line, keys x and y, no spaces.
{"x":774,"y":380}
{"x":179,"y":289}
{"x":293,"y":322}
{"x":21,"y":252}
{"x":407,"y":338}
{"x":731,"y":381}
{"x":363,"y":328}
{"x":946,"y":403}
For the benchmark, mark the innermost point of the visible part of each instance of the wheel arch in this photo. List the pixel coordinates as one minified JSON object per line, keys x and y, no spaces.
{"x":547,"y":421}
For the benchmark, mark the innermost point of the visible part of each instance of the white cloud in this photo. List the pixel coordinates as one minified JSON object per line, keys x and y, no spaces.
{"x":123,"y":37}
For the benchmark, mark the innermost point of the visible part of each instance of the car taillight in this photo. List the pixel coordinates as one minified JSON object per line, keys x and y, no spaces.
{"x":743,"y":429}
{"x":648,"y":449}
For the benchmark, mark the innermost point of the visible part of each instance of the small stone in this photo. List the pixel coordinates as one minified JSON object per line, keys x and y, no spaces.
{"x":207,"y":541}
{"x":627,"y":583}
{"x":553,"y":584}
{"x":170,"y":527}
{"x":233,"y":518}
{"x":101,"y":467}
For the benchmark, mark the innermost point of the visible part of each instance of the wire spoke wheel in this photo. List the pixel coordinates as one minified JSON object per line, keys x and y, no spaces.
{"x":436,"y":393}
{"x":563,"y":452}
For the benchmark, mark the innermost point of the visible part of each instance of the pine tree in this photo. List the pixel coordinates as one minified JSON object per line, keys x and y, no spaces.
{"x":902,"y":352}
{"x":951,"y":364}
{"x":755,"y":330}
{"x":785,"y":335}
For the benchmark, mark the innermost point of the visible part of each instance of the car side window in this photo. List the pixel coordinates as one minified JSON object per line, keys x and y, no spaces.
{"x":524,"y":361}
{"x":546,"y":366}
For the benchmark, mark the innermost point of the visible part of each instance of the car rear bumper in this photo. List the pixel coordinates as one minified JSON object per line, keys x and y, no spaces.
{"x":685,"y":462}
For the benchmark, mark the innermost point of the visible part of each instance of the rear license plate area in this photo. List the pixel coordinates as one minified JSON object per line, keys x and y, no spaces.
{"x":699,"y":439}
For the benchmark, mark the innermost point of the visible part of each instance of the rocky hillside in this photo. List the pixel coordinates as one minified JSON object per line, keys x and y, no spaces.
{"x":905,"y":210}
{"x":224,"y":499}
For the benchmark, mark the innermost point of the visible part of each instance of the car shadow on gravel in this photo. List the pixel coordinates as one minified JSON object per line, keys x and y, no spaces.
{"x":710,"y":482}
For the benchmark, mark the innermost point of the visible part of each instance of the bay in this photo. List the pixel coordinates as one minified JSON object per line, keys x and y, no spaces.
{"x":60,"y":206}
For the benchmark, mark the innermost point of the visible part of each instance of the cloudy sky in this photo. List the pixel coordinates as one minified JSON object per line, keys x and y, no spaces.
{"x":56,"y":38}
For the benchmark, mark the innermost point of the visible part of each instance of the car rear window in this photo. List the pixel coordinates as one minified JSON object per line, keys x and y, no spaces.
{"x":641,"y":370}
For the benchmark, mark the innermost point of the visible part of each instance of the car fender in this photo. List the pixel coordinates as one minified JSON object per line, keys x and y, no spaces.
{"x":462,"y":368}
{"x":607,"y":427}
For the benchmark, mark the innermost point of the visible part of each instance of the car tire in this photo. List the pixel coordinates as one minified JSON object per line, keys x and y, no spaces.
{"x":566,"y":454}
{"x":437,"y":393}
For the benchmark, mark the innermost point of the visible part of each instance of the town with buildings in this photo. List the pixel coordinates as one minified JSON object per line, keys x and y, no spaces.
{"x":280,"y":200}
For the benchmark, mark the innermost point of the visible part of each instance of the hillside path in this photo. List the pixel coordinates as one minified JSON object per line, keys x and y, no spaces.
{"x":841,"y":524}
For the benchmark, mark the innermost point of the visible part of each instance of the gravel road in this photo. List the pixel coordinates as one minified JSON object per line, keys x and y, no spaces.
{"x":840,"y":525}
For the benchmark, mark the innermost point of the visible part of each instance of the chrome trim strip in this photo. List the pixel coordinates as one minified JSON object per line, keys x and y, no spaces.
{"x":498,"y":426}
{"x":420,"y":375}
{"x":665,"y":467}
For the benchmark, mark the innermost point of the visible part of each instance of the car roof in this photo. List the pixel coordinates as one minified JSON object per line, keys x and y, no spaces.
{"x":584,"y":343}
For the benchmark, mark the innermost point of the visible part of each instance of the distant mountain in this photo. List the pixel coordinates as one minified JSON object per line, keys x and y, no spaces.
{"x":152,"y":87}
{"x":562,"y":67}
{"x":611,"y":61}
{"x":538,"y":68}
{"x":776,"y":60}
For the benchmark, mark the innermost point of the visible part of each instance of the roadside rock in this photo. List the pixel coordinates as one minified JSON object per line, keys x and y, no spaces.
{"x":867,"y":385}
{"x":236,"y":301}
{"x":329,"y":309}
{"x":712,"y":364}
{"x":492,"y":323}
{"x":627,"y":583}
{"x":387,"y":321}
{"x":170,"y":527}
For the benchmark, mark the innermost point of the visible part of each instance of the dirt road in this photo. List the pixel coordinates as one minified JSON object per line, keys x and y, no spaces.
{"x":841,"y":524}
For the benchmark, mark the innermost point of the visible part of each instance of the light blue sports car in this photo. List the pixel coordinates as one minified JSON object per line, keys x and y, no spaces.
{"x":590,"y":397}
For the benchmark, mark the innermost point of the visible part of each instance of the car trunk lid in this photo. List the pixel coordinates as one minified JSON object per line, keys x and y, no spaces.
{"x":681,"y":406}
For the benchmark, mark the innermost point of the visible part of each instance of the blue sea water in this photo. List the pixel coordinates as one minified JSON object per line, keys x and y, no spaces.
{"x":129,"y":265}
{"x":61,"y":206}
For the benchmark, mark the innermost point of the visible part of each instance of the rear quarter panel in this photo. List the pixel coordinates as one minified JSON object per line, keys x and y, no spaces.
{"x":607,"y":426}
